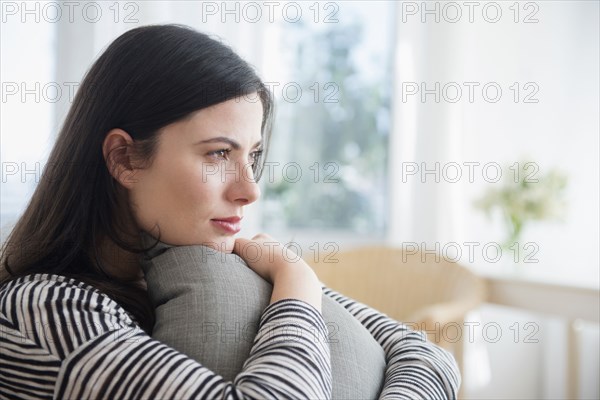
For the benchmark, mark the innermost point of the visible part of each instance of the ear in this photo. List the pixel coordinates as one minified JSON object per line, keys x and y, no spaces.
{"x":116,"y":150}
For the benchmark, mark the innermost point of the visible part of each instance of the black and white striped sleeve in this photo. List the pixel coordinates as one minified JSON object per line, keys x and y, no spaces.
{"x":416,"y":368}
{"x":63,"y":339}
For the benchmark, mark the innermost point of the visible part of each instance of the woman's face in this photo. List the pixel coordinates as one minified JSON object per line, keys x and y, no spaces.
{"x":201,"y":177}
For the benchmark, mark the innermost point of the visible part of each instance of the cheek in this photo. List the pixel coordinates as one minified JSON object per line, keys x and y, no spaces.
{"x":200,"y":185}
{"x":174,"y":195}
{"x":149,"y":199}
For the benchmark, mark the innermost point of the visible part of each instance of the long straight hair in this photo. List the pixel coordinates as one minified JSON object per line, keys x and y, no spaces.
{"x":147,"y":78}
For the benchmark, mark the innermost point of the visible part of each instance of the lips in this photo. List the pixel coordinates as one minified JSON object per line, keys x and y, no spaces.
{"x":231,"y":225}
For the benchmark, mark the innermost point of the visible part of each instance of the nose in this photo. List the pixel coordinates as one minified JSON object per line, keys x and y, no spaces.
{"x":243,"y":189}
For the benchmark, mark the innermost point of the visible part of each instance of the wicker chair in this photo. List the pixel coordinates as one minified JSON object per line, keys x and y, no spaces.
{"x":427,"y":293}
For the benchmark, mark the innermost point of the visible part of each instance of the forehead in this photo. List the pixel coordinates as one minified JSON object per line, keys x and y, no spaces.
{"x":239,"y":118}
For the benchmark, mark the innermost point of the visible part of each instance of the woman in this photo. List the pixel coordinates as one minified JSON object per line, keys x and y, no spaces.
{"x":166,"y":135}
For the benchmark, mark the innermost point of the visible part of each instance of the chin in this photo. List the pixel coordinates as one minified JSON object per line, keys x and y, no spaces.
{"x":224,"y":245}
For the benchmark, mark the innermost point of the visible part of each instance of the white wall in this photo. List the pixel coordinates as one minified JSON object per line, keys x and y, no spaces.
{"x":560,"y":55}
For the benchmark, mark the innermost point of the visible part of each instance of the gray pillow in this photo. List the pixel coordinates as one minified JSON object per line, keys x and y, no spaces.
{"x":208,"y":305}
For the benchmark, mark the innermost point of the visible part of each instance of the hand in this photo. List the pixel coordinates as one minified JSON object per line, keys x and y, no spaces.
{"x":265,"y":255}
{"x":291,"y":276}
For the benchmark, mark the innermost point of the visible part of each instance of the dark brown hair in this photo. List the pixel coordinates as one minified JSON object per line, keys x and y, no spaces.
{"x":147,"y":78}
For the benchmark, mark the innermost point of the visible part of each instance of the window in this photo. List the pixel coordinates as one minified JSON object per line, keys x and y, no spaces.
{"x":327,"y":165}
{"x":29,"y":94}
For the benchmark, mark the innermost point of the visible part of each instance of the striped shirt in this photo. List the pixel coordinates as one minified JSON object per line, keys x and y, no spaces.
{"x":416,"y":368}
{"x":61,"y":338}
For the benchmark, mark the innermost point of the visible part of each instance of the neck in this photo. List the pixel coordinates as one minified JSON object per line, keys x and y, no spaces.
{"x":119,"y":263}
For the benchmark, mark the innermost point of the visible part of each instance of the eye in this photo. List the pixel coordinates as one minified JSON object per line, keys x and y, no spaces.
{"x":221,"y":153}
{"x":255,"y":156}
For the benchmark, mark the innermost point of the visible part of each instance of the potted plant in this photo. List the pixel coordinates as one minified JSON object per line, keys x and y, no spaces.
{"x":524,"y":194}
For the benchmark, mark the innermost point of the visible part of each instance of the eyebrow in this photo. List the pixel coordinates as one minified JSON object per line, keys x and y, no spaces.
{"x":223,"y":139}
